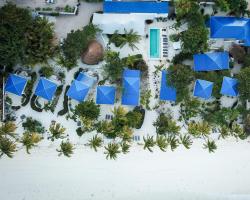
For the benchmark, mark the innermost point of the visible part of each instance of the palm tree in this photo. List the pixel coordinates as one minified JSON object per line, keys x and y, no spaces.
{"x":132,"y":38}
{"x":224,"y":132}
{"x":173,"y":141}
{"x":149,"y":143}
{"x":186,"y":141}
{"x":66,"y":149}
{"x":210,"y":145}
{"x":238,"y":132}
{"x":29,"y":140}
{"x":7,"y":147}
{"x":8,"y":129}
{"x":126,"y":134}
{"x":119,"y":111}
{"x":205,"y":128}
{"x":95,"y":142}
{"x":125,"y":147}
{"x":131,"y":60}
{"x":162,"y":142}
{"x":57,"y":131}
{"x":112,"y":150}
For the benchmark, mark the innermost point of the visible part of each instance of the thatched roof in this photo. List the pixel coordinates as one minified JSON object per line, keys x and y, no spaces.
{"x":94,"y":53}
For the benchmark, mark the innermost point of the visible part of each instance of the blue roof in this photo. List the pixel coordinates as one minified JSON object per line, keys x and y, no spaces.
{"x":87,"y":80}
{"x":230,"y":28}
{"x":229,"y":86}
{"x":78,"y":90}
{"x":46,"y":89}
{"x":105,"y":95}
{"x":131,"y":85}
{"x":15,"y":84}
{"x":211,"y":61}
{"x":203,"y":89}
{"x":167,"y":92}
{"x":135,"y":7}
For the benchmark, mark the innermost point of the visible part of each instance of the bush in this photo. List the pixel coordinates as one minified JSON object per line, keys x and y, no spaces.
{"x":65,"y":103}
{"x":166,"y":125}
{"x":32,"y":125}
{"x":88,"y":110}
{"x":28,"y":89}
{"x":46,"y":71}
{"x":33,"y":104}
{"x":136,"y":117}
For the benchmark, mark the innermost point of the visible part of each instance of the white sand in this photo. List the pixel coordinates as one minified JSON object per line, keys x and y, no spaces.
{"x":183,"y":174}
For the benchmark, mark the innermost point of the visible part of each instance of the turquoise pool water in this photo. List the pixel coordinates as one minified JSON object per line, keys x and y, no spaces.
{"x":154,"y":43}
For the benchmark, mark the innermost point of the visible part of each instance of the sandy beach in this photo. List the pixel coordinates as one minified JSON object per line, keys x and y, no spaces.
{"x":183,"y":174}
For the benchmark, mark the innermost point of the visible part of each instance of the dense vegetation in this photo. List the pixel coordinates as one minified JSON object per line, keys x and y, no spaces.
{"x":75,"y":44}
{"x":24,"y":39}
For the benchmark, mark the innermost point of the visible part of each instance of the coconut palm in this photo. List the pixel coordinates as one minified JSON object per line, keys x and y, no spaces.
{"x":8,"y":129}
{"x":162,"y":142}
{"x":57,"y":131}
{"x":224,"y":132}
{"x":7,"y":147}
{"x":131,"y":60}
{"x":205,"y":128}
{"x":186,"y":141}
{"x":173,"y":142}
{"x":210,"y":145}
{"x":112,"y":150}
{"x":66,"y":149}
{"x":193,"y":129}
{"x":119,"y":111}
{"x":30,"y":140}
{"x":125,"y":147}
{"x":149,"y":143}
{"x":95,"y":142}
{"x":126,"y":134}
{"x":237,"y":131}
{"x":131,"y":38}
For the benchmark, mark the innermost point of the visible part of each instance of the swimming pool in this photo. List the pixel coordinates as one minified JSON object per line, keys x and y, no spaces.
{"x":154,"y":43}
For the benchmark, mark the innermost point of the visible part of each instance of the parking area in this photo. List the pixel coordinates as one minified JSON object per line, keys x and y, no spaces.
{"x":40,"y":3}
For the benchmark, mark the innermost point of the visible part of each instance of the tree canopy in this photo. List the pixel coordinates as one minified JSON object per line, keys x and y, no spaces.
{"x":180,"y":77}
{"x":76,"y":43}
{"x":24,"y":39}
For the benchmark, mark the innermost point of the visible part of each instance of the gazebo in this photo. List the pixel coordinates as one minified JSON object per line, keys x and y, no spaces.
{"x":203,"y":89}
{"x":46,"y":89}
{"x":15,"y":84}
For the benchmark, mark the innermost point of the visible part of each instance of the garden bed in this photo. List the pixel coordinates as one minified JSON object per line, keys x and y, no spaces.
{"x":65,"y":103}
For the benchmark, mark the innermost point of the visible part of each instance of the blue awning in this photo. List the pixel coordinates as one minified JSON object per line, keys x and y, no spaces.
{"x":15,"y":84}
{"x":131,"y":87}
{"x":229,"y":86}
{"x":230,"y":28}
{"x":166,"y":92}
{"x":203,"y":89}
{"x":135,"y":7}
{"x":84,"y":78}
{"x":46,"y":89}
{"x":78,"y":90}
{"x":105,"y":95}
{"x":211,"y":61}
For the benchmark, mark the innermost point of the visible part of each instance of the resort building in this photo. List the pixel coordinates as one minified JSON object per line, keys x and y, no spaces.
{"x":211,"y":61}
{"x":231,"y":28}
{"x":146,"y":18}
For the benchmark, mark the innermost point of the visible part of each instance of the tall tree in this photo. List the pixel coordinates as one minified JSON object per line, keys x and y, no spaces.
{"x":14,"y":24}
